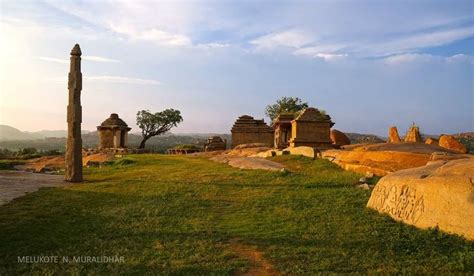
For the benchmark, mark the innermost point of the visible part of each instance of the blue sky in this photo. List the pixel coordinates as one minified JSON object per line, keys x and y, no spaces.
{"x":369,"y":64}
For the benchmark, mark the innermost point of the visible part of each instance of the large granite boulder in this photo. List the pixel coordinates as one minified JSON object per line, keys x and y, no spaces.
{"x":449,"y":142}
{"x":440,"y":194}
{"x":338,"y":138}
{"x":383,"y":158}
{"x":393,"y":136}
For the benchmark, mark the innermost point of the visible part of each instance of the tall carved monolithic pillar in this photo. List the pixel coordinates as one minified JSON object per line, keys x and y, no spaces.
{"x":74,"y":119}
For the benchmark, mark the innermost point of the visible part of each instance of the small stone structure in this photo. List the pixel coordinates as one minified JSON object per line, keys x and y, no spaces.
{"x":248,"y":130}
{"x":312,"y":129}
{"x":282,"y":127}
{"x":393,"y":136}
{"x":413,"y":135}
{"x":215,"y":143}
{"x":73,"y":156}
{"x":113,"y":133}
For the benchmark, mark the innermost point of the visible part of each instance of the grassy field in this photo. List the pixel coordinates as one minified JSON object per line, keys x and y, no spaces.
{"x":188,"y":215}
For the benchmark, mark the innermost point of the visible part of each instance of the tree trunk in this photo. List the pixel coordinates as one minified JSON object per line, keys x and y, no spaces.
{"x":142,"y":143}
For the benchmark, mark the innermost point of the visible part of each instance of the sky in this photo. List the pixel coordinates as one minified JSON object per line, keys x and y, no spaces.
{"x":368,"y":64}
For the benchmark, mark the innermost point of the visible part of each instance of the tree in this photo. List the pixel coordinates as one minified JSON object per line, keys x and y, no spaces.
{"x":157,"y":124}
{"x":285,"y":105}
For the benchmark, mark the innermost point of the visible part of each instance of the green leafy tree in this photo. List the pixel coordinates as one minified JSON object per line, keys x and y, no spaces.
{"x":153,"y":124}
{"x":291,"y":105}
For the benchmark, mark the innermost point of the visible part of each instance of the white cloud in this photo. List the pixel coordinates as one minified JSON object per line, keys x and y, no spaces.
{"x":413,"y":42}
{"x":157,"y":36}
{"x":290,"y":38}
{"x":51,"y":59}
{"x":407,"y":58}
{"x":89,"y":58}
{"x":99,"y":59}
{"x":118,"y":79}
{"x":208,"y":46}
{"x":425,"y":58}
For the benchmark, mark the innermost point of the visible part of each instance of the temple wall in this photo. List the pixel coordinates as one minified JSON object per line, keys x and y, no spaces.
{"x":106,"y":138}
{"x":312,"y":134}
{"x":239,"y":138}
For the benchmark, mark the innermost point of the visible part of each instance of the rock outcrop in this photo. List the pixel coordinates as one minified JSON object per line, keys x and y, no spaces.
{"x":449,"y":142}
{"x":338,"y":138}
{"x":382,"y":159}
{"x":439,"y":194}
{"x":413,"y":135}
{"x":393,"y":136}
{"x":432,"y":141}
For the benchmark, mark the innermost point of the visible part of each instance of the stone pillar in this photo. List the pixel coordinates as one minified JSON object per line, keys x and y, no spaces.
{"x":74,"y":118}
{"x":125,"y":137}
{"x":116,"y":139}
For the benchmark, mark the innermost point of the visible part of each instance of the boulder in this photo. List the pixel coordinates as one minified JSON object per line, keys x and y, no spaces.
{"x":338,"y":138}
{"x":432,"y":141}
{"x":305,"y":151}
{"x":413,"y":135}
{"x":449,"y":142}
{"x":384,"y":158}
{"x":393,"y":136}
{"x":436,"y":195}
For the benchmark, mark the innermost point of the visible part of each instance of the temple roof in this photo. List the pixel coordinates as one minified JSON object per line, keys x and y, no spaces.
{"x":314,"y":115}
{"x":246,"y":123}
{"x":113,"y":122}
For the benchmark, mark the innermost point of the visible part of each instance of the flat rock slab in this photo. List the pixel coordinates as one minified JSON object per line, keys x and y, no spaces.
{"x":15,"y":184}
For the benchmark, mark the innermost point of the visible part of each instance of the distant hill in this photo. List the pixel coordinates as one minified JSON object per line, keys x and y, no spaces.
{"x":8,"y":133}
{"x":358,"y":138}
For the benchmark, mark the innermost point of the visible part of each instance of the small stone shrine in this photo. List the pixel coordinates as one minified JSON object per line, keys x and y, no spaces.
{"x":113,"y":133}
{"x":312,"y":129}
{"x":215,"y":143}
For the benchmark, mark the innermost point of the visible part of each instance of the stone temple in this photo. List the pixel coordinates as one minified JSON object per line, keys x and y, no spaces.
{"x":248,"y":130}
{"x":113,"y":133}
{"x":312,"y":129}
{"x":282,"y":127}
{"x":215,"y":143}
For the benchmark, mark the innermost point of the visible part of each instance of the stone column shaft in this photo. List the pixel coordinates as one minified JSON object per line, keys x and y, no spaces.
{"x":73,"y":156}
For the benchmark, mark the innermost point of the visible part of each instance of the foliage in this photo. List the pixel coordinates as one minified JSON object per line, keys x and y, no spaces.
{"x":157,"y":123}
{"x":180,"y":215}
{"x":291,"y":105}
{"x":10,"y":164}
{"x":187,"y":147}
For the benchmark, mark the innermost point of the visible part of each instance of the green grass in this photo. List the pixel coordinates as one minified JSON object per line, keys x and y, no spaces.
{"x":6,"y":164}
{"x":180,"y":215}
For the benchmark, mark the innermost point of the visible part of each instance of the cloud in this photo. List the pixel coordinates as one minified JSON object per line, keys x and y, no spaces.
{"x":157,"y":36}
{"x":119,"y":79}
{"x":290,"y":38}
{"x":413,"y":42}
{"x":99,"y":59}
{"x":208,"y":46}
{"x":51,"y":59}
{"x":89,"y":58}
{"x":425,"y":58}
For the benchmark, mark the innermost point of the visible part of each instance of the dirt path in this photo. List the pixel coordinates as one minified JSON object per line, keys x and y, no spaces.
{"x":15,"y":184}
{"x":258,"y":264}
